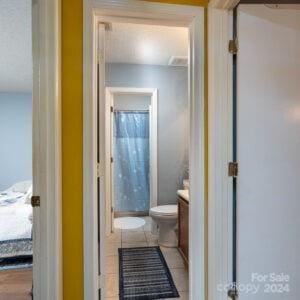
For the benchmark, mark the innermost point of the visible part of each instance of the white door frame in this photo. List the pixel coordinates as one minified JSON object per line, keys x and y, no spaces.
{"x":109,"y":101}
{"x":47,"y":233}
{"x":220,"y":148}
{"x":151,"y":13}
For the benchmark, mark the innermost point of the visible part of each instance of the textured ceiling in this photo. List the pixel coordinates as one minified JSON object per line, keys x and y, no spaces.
{"x":125,"y":43}
{"x":145,"y":44}
{"x":15,"y":46}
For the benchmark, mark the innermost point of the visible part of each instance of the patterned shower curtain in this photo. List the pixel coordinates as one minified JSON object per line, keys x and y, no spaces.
{"x":131,"y":161}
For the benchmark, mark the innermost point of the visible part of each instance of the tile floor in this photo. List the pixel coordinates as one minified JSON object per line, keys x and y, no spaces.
{"x":141,"y":237}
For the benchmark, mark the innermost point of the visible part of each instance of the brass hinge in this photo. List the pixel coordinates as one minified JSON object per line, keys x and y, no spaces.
{"x":233,"y":169}
{"x":98,"y":170}
{"x":232,"y":293}
{"x":107,"y":25}
{"x":35,"y":201}
{"x":111,"y":159}
{"x":112,"y":209}
{"x":112,"y":109}
{"x":233,"y":46}
{"x":100,"y":56}
{"x":101,"y":281}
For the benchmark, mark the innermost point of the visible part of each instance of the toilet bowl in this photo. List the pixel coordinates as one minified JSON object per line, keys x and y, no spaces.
{"x":165,"y":216}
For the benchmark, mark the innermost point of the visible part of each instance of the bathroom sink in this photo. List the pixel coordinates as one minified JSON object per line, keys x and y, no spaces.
{"x":186,"y":184}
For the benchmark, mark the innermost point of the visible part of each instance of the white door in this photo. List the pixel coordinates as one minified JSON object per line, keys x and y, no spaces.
{"x":268,"y":153}
{"x":101,"y":157}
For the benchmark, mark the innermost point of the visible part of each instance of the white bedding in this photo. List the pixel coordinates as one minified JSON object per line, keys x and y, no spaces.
{"x":14,"y":216}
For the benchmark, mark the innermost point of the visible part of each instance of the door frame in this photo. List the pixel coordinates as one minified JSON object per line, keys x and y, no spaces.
{"x":109,"y":101}
{"x":220,"y":68}
{"x":151,"y":13}
{"x":46,"y":111}
{"x":220,"y":148}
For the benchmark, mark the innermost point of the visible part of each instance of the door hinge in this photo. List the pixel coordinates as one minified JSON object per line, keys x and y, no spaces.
{"x":233,"y":169}
{"x":112,"y":109}
{"x":233,"y":46}
{"x":107,"y":25}
{"x":100,"y":56}
{"x":112,"y":209}
{"x":111,"y":159}
{"x":35,"y":201}
{"x":232,"y":293}
{"x":101,"y":280}
{"x":99,"y":170}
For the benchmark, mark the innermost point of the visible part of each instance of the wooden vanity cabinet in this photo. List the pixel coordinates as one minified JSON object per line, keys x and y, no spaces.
{"x":183,"y":229}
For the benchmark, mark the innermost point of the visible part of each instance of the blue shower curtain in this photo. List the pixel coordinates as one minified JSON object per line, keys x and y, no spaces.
{"x":131,"y":161}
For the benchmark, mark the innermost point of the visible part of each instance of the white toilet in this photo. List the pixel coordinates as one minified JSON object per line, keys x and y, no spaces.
{"x":165,"y":216}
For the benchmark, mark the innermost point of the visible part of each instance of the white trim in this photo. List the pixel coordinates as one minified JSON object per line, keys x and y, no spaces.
{"x":110,"y":92}
{"x":223,"y":4}
{"x":46,"y":97}
{"x":220,"y":150}
{"x":154,"y":13}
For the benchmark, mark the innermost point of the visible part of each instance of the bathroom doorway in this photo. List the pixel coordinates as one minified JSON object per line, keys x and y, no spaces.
{"x":178,"y":79}
{"x":131,"y":139}
{"x":147,"y":109}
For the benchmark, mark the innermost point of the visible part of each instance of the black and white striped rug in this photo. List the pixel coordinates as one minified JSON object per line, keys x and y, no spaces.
{"x":144,"y":275}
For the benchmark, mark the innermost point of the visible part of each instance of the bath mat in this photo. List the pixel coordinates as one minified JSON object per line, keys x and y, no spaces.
{"x":144,"y":275}
{"x":128,"y":223}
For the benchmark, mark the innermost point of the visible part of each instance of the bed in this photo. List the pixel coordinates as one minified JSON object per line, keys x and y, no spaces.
{"x":15,"y":221}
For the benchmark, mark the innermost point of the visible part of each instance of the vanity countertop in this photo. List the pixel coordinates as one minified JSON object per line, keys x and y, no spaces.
{"x":183,"y":194}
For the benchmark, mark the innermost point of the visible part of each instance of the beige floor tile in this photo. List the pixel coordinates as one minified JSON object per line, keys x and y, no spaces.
{"x":112,"y":248}
{"x":134,"y":244}
{"x":183,"y":296}
{"x":114,"y":237}
{"x":181,"y":279}
{"x":112,"y":265}
{"x":148,"y":225}
{"x":112,"y":285}
{"x":172,"y":257}
{"x":133,"y":236}
{"x":152,"y":243}
{"x":151,"y":237}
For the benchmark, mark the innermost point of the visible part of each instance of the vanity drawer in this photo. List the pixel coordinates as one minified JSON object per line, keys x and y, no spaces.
{"x":183,"y":228}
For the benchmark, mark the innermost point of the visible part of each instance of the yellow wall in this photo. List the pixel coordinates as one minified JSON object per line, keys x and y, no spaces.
{"x":72,"y":143}
{"x":72,"y":16}
{"x":187,"y":2}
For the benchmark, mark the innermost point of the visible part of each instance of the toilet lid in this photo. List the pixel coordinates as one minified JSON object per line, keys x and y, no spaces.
{"x":165,"y":210}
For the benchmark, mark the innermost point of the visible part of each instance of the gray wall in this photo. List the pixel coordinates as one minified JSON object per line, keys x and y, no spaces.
{"x":173,"y":130}
{"x":15,"y":138}
{"x":131,"y":102}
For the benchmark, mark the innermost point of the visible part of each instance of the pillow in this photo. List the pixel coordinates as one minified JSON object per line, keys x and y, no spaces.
{"x":21,"y":187}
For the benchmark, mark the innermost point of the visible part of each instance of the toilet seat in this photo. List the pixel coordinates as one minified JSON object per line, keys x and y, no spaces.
{"x":164,"y":210}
